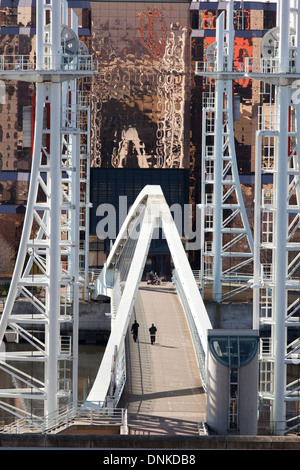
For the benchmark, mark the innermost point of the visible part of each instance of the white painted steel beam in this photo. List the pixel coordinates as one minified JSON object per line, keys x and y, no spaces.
{"x":277,"y":286}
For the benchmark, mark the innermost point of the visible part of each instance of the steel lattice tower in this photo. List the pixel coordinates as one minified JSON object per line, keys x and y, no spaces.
{"x":46,"y":272}
{"x":277,"y":215}
{"x":275,"y":249}
{"x":225,"y":226}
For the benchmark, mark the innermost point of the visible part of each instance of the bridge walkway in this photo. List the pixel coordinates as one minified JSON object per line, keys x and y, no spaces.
{"x":163,"y":392}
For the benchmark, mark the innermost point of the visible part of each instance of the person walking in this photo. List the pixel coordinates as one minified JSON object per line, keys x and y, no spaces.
{"x":135,"y":330}
{"x":152,"y":331}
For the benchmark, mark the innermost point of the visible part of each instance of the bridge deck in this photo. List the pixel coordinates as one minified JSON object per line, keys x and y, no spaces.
{"x":163,"y":392}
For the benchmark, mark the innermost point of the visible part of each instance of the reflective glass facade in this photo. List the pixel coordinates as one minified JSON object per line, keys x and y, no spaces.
{"x":119,"y":188}
{"x":107,"y":185}
{"x":140,"y":107}
{"x":251,"y":20}
{"x":141,"y":96}
{"x":17,"y":21}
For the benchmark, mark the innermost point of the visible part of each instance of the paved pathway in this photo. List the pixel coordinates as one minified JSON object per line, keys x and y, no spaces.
{"x":163,"y":393}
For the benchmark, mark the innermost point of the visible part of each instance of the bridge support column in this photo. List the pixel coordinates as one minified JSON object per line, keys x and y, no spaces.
{"x":232,"y":381}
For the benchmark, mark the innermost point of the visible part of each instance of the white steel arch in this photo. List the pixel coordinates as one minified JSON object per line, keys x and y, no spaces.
{"x":149,"y":211}
{"x":46,"y":272}
{"x":227,"y":254}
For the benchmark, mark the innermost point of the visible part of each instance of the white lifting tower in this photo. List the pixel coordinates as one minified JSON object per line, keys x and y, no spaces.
{"x":227,"y":254}
{"x":42,"y":375}
{"x":277,"y":216}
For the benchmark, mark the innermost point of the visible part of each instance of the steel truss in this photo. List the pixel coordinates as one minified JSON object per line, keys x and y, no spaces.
{"x":277,"y":219}
{"x":227,"y":254}
{"x":276,"y":245}
{"x":46,"y":279}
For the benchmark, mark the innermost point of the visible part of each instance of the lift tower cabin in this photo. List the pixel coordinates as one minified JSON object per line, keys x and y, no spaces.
{"x":46,"y":280}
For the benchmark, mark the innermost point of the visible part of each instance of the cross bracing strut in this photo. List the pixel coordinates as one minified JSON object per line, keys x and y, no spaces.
{"x":275,"y":247}
{"x":46,"y":273}
{"x":227,"y":254}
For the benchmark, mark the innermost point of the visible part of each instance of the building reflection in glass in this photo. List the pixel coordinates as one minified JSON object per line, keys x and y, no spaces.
{"x":141,"y":94}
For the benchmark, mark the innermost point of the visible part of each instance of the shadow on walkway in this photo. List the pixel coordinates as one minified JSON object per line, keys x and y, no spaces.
{"x":145,"y":424}
{"x":163,"y":392}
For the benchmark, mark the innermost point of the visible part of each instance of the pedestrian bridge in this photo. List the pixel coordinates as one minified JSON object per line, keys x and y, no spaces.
{"x":163,"y":393}
{"x":174,"y":371}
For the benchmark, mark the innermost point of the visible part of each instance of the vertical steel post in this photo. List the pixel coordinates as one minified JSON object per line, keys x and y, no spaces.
{"x":54,"y":249}
{"x":297,"y":27}
{"x":218,"y":170}
{"x":257,"y":234}
{"x":281,"y":226}
{"x":39,"y":35}
{"x":75,"y":139}
{"x":55,"y":202}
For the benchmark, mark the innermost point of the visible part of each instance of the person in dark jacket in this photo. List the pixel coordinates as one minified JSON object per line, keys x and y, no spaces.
{"x":152,"y":331}
{"x":135,"y":330}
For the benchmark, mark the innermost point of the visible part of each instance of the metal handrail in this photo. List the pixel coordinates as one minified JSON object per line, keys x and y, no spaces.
{"x":198,"y":348}
{"x":83,"y":415}
{"x":202,"y":428}
{"x":28,"y":63}
{"x":251,"y":65}
{"x":211,"y":66}
{"x":94,"y":415}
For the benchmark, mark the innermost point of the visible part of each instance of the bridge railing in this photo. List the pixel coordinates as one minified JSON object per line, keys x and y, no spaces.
{"x":197,"y":344}
{"x":118,"y":376}
{"x":67,"y":416}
